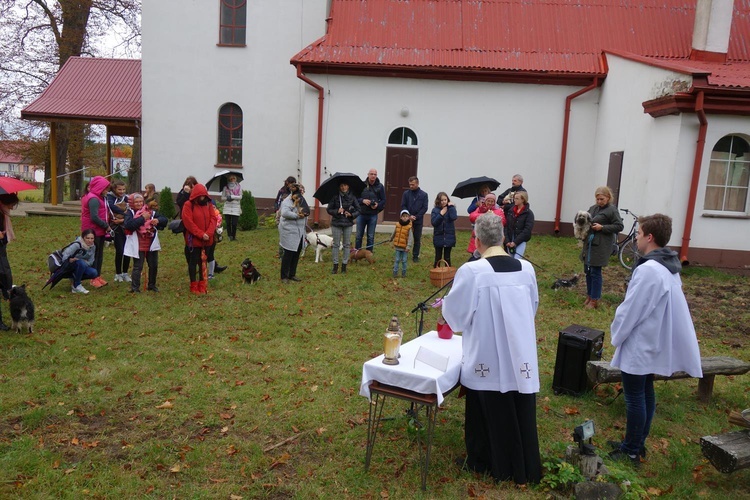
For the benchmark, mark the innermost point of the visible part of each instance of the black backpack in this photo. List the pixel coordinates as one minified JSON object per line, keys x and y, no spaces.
{"x":55,"y":259}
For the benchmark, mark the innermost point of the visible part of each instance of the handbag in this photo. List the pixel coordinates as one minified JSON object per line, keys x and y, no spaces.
{"x":442,"y":274}
{"x":176,"y":226}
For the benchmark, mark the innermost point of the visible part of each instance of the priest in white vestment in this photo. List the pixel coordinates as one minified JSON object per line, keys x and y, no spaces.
{"x":493,"y":301}
{"x":652,"y":332}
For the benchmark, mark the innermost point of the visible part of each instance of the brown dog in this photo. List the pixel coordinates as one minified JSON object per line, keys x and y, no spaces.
{"x":362,"y":253}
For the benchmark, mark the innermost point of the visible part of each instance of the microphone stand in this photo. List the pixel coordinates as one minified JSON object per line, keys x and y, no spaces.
{"x":422,"y":308}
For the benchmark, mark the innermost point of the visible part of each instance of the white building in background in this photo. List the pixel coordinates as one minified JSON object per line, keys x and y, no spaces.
{"x":451,"y":90}
{"x":193,"y":79}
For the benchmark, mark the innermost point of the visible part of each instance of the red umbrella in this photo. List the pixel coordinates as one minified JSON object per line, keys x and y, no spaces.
{"x":12,"y":185}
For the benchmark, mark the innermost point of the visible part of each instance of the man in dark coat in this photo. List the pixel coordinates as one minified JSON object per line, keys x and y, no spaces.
{"x":371,"y":203}
{"x":516,"y":185}
{"x":415,"y":201}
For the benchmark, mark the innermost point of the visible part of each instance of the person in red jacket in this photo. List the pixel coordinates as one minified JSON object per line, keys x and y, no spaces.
{"x":200,"y":226}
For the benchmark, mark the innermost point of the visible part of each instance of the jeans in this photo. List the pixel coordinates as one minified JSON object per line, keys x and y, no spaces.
{"x":401,"y":256}
{"x":82,"y":271}
{"x":339,"y":234}
{"x":520,"y":249}
{"x":640,"y":405}
{"x":593,"y":281}
{"x":417,"y":230}
{"x":370,"y":221}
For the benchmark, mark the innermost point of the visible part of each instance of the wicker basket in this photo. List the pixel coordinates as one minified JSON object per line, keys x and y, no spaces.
{"x":442,"y":274}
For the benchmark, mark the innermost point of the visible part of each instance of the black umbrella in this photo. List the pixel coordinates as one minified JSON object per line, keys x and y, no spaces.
{"x":330,"y":187}
{"x":59,"y":274}
{"x":220,"y":180}
{"x":470,"y":187}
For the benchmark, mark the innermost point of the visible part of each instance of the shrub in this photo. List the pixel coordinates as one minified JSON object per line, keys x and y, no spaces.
{"x":166,"y":203}
{"x":249,"y":217}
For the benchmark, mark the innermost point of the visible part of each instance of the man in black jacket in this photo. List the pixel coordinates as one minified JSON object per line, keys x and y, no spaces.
{"x":415,"y":201}
{"x":371,"y":203}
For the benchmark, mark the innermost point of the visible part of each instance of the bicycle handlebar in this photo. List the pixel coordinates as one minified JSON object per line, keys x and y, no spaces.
{"x":630,"y":212}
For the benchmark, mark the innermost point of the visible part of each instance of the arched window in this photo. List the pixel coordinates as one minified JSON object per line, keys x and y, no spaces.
{"x":403,"y":136}
{"x":233,"y":22}
{"x":230,"y":135}
{"x":728,"y":175}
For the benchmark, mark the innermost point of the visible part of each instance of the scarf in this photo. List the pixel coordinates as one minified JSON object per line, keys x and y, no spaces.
{"x":84,"y":246}
{"x":9,"y":234}
{"x":517,"y":209}
{"x":234,"y":188}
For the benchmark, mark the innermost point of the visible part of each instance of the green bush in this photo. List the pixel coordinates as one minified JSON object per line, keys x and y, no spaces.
{"x":166,"y":203}
{"x":249,"y":217}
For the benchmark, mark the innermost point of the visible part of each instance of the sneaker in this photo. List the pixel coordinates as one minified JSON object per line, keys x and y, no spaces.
{"x":210,"y":276}
{"x":621,"y":456}
{"x":415,"y":259}
{"x":126,"y":278}
{"x":119,"y":278}
{"x":96,"y":283}
{"x":79,"y":289}
{"x":615,"y":445}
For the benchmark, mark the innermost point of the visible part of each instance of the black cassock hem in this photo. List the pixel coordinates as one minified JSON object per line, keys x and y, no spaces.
{"x":501,"y":435}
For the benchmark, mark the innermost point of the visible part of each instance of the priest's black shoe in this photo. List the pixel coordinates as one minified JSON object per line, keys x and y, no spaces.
{"x":220,"y":269}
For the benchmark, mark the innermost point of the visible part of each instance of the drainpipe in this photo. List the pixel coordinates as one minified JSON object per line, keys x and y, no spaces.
{"x":319,"y":153}
{"x":564,"y":152}
{"x":701,"y":144}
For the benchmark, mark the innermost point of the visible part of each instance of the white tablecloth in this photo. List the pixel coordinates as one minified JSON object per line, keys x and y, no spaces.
{"x":418,"y":377}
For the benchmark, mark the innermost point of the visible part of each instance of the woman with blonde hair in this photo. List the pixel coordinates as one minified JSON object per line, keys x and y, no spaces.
{"x":606,"y":223}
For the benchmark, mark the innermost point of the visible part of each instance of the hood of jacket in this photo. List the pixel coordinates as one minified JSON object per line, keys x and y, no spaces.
{"x":664,"y":256}
{"x":197,"y":191}
{"x":98,"y":186}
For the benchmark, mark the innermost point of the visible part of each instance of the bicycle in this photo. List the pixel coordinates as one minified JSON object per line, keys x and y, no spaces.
{"x":627,"y":249}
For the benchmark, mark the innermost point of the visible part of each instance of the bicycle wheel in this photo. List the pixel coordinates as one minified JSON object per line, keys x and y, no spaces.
{"x":629,"y":253}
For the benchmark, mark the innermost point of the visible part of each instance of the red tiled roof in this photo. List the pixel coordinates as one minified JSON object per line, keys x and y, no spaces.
{"x":729,"y":74}
{"x":91,"y":89}
{"x":552,"y":37}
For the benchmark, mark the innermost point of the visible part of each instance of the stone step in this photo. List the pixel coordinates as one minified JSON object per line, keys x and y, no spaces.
{"x":52,"y":212}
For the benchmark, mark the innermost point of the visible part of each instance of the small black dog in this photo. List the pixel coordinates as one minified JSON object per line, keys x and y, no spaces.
{"x":21,"y":309}
{"x":563,"y":283}
{"x":249,"y":273}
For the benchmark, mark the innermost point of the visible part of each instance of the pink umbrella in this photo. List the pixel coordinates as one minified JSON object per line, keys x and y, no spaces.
{"x":12,"y":185}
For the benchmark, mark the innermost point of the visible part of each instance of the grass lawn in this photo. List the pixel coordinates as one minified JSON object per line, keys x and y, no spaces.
{"x":252,"y":391}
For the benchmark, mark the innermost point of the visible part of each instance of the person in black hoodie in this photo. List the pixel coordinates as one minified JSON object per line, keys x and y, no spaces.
{"x":371,"y":203}
{"x":343,"y":209}
{"x":520,"y":224}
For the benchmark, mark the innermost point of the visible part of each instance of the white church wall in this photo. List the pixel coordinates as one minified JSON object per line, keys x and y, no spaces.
{"x":464,"y":129}
{"x":187,"y":78}
{"x":728,"y":233}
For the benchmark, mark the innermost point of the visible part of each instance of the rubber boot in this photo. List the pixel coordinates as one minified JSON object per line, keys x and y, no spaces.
{"x":203,"y":287}
{"x":194,"y":287}
{"x":343,"y":268}
{"x":335,"y":269}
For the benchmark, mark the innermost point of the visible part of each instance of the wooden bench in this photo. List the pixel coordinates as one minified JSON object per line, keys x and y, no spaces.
{"x":600,"y":372}
{"x":727,"y":452}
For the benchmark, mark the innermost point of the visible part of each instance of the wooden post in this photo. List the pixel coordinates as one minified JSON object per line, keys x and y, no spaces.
{"x":706,"y":388}
{"x":53,"y":162}
{"x":727,"y":452}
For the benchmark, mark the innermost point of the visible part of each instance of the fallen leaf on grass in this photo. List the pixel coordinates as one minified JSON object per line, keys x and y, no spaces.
{"x":92,"y":357}
{"x":226,"y":416}
{"x":74,"y":441}
{"x":282,"y":460}
{"x":235,"y":497}
{"x":231,"y":450}
{"x":572,"y":411}
{"x":320,"y":430}
{"x":224,"y":430}
{"x":166,"y":405}
{"x":175,"y":469}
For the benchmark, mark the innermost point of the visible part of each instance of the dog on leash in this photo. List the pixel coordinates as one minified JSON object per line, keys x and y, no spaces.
{"x":361,"y":254}
{"x":321,"y":242}
{"x":21,"y":309}
{"x":581,"y":225}
{"x":250,"y":274}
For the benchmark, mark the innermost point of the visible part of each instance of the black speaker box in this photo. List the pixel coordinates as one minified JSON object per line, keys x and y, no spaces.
{"x":576,"y":345}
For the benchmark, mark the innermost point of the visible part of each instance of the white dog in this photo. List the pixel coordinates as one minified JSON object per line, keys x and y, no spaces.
{"x":581,"y":225}
{"x":321,"y":242}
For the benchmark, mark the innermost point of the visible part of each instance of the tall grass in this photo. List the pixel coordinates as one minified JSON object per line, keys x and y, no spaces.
{"x":174,"y":395}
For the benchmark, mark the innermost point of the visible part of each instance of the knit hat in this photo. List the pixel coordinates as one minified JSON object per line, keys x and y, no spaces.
{"x":404,"y":212}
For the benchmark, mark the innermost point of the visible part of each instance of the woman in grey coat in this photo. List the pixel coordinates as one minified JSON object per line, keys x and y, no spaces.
{"x":293,"y":212}
{"x":606,"y":223}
